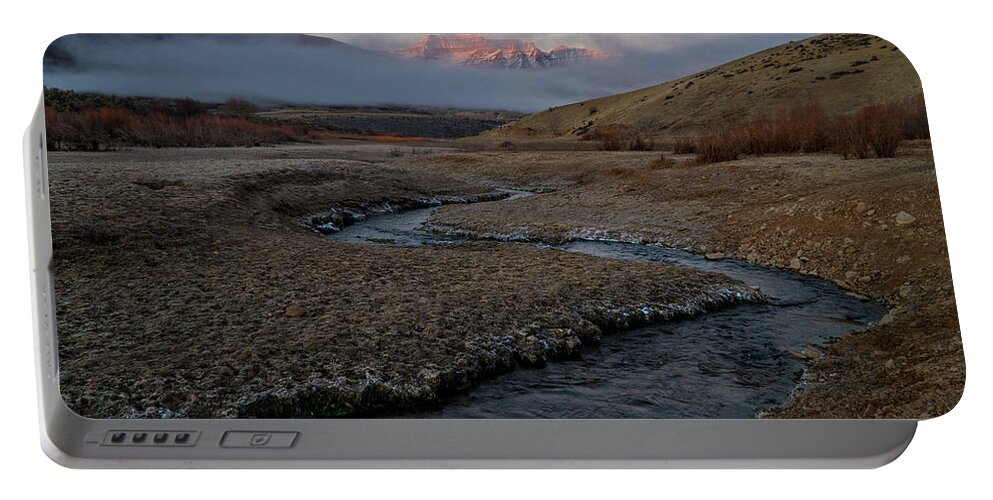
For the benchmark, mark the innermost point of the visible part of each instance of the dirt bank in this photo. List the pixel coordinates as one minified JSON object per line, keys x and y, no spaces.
{"x":188,"y":284}
{"x":873,"y":226}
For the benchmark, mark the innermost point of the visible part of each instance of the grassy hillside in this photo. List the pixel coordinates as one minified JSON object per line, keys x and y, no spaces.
{"x":841,"y":72}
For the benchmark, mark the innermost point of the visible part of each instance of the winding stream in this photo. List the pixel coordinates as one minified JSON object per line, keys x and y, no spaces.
{"x":727,"y":364}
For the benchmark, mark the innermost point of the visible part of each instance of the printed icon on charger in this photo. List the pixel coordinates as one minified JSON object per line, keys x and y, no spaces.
{"x":259,"y":439}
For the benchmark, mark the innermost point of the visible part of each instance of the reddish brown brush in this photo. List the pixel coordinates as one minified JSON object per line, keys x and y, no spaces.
{"x":884,"y":126}
{"x":94,"y":129}
{"x":722,"y":146}
{"x":851,"y":137}
{"x":800,"y":129}
{"x":915,"y":119}
{"x":684,"y":145}
{"x":876,"y":130}
{"x":879,"y":128}
{"x":619,"y":138}
{"x":610,"y":140}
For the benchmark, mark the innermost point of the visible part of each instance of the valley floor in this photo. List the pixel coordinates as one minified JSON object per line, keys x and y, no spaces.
{"x":187,"y":284}
{"x":872,"y":226}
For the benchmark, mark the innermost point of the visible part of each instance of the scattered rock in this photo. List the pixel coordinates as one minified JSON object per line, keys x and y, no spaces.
{"x":293,"y":311}
{"x":889,"y":364}
{"x":861,"y":207}
{"x":812,"y":352}
{"x":903,"y":259}
{"x":886,"y":319}
{"x":903,"y":218}
{"x":809,"y":353}
{"x":905,"y":290}
{"x":795,"y":263}
{"x":795,"y":355}
{"x":850,"y":275}
{"x":714,"y":256}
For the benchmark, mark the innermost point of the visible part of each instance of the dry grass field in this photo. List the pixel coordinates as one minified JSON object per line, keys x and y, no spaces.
{"x":841,"y":72}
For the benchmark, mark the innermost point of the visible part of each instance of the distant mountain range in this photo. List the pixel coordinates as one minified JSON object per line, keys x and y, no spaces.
{"x":478,"y":51}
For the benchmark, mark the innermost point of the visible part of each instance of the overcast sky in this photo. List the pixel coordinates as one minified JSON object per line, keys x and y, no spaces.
{"x":284,"y":70}
{"x":629,"y":43}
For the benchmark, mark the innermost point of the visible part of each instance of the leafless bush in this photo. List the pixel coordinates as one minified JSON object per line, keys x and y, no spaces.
{"x":94,"y":129}
{"x":876,"y":130}
{"x":684,"y":145}
{"x":620,"y":138}
{"x":851,"y":138}
{"x":722,"y":146}
{"x":639,"y":143}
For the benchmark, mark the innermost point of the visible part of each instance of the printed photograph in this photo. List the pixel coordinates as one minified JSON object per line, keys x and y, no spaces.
{"x":496,"y":226}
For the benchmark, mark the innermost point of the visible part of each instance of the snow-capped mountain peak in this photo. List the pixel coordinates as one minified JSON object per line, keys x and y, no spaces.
{"x":478,"y":51}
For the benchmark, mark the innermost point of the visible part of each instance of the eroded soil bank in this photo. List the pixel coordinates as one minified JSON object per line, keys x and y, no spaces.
{"x":189,"y":283}
{"x":872,"y":226}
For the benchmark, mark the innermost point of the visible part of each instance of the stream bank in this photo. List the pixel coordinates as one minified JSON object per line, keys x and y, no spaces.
{"x":729,"y":363}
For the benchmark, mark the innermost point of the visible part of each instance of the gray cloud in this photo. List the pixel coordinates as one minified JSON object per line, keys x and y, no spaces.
{"x":312,"y":70}
{"x":614,"y":43}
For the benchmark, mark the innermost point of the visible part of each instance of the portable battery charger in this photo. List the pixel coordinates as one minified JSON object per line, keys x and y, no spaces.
{"x":480,"y":251}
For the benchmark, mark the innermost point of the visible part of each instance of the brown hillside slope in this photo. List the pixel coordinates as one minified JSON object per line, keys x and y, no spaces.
{"x":841,"y":71}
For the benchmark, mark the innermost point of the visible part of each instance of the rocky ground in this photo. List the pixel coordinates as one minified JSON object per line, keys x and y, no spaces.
{"x":873,"y":226}
{"x":191,"y":283}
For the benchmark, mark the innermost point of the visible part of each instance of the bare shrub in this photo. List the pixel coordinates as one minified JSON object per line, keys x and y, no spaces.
{"x":876,"y":130}
{"x":609,"y":139}
{"x":617,"y":137}
{"x":802,"y":128}
{"x":683,"y":145}
{"x":95,"y":129}
{"x":879,"y":128}
{"x":884,"y":125}
{"x":612,"y":144}
{"x":915,"y":124}
{"x":851,"y":138}
{"x":722,"y":146}
{"x":639,"y":143}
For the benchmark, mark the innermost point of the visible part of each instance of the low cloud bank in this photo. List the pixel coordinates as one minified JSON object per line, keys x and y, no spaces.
{"x":298,"y":69}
